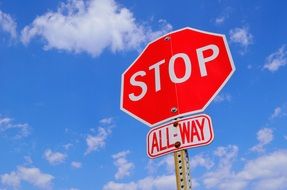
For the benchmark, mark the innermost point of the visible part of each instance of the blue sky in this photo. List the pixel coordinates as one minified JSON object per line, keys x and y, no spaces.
{"x":60,"y":121}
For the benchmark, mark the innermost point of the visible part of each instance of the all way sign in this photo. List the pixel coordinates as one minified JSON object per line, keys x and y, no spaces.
{"x":180,"y":134}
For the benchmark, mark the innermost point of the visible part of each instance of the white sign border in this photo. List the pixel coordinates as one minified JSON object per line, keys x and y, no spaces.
{"x":182,"y":147}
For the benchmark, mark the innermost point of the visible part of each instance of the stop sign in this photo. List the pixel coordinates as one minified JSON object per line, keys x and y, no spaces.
{"x":176,"y":75}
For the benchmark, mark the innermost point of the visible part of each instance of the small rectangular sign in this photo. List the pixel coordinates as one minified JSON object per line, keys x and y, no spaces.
{"x":180,"y":134}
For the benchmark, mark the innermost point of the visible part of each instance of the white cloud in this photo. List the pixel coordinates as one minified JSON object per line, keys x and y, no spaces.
{"x":201,"y":160}
{"x":266,"y":166}
{"x":264,"y":137}
{"x":35,"y":177}
{"x":28,"y":160}
{"x":151,"y":182}
{"x":98,"y":141}
{"x":276,"y":113}
{"x":279,"y":111}
{"x":277,"y":183}
{"x":224,"y":15}
{"x":12,"y":180}
{"x":165,"y":163}
{"x":220,"y":20}
{"x":124,"y":167}
{"x":226,"y":153}
{"x":226,"y":156}
{"x":107,"y":121}
{"x":91,"y":26}
{"x":120,"y":186}
{"x":31,"y":175}
{"x":76,"y":165}
{"x":168,"y":163}
{"x":8,"y":24}
{"x":265,"y":172}
{"x":241,"y":36}
{"x":276,"y":60}
{"x":54,"y":158}
{"x":148,"y":183}
{"x":166,"y":182}
{"x":68,"y":146}
{"x":222,"y":97}
{"x":11,"y":129}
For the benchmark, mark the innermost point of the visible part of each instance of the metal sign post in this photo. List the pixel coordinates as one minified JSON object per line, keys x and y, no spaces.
{"x":182,"y":170}
{"x":181,"y":163}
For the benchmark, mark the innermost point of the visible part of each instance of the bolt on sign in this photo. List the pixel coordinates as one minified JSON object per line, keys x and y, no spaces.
{"x":176,"y":75}
{"x":182,"y":134}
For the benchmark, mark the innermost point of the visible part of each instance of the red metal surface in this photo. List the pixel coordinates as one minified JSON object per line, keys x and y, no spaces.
{"x":189,"y":97}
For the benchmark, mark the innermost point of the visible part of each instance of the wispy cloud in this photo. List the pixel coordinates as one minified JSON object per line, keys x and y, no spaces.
{"x":10,"y":128}
{"x":91,"y":26}
{"x":166,"y":182}
{"x":150,"y":182}
{"x":95,"y":142}
{"x":276,"y":60}
{"x":76,"y":165}
{"x":162,"y":164}
{"x":54,"y":158}
{"x":120,"y":186}
{"x":222,"y":97}
{"x":28,"y":160}
{"x":8,"y":24}
{"x":221,"y":19}
{"x":31,"y":175}
{"x":124,"y":167}
{"x":201,"y":161}
{"x":279,"y":111}
{"x":241,"y":36}
{"x":264,"y":137}
{"x":226,"y":156}
{"x":265,"y":172}
{"x":98,"y":140}
{"x":276,"y":113}
{"x":68,"y":146}
{"x":107,"y":121}
{"x":167,"y":163}
{"x":268,"y":171}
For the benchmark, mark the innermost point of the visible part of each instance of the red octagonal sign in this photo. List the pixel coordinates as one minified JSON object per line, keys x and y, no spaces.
{"x":176,"y":75}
